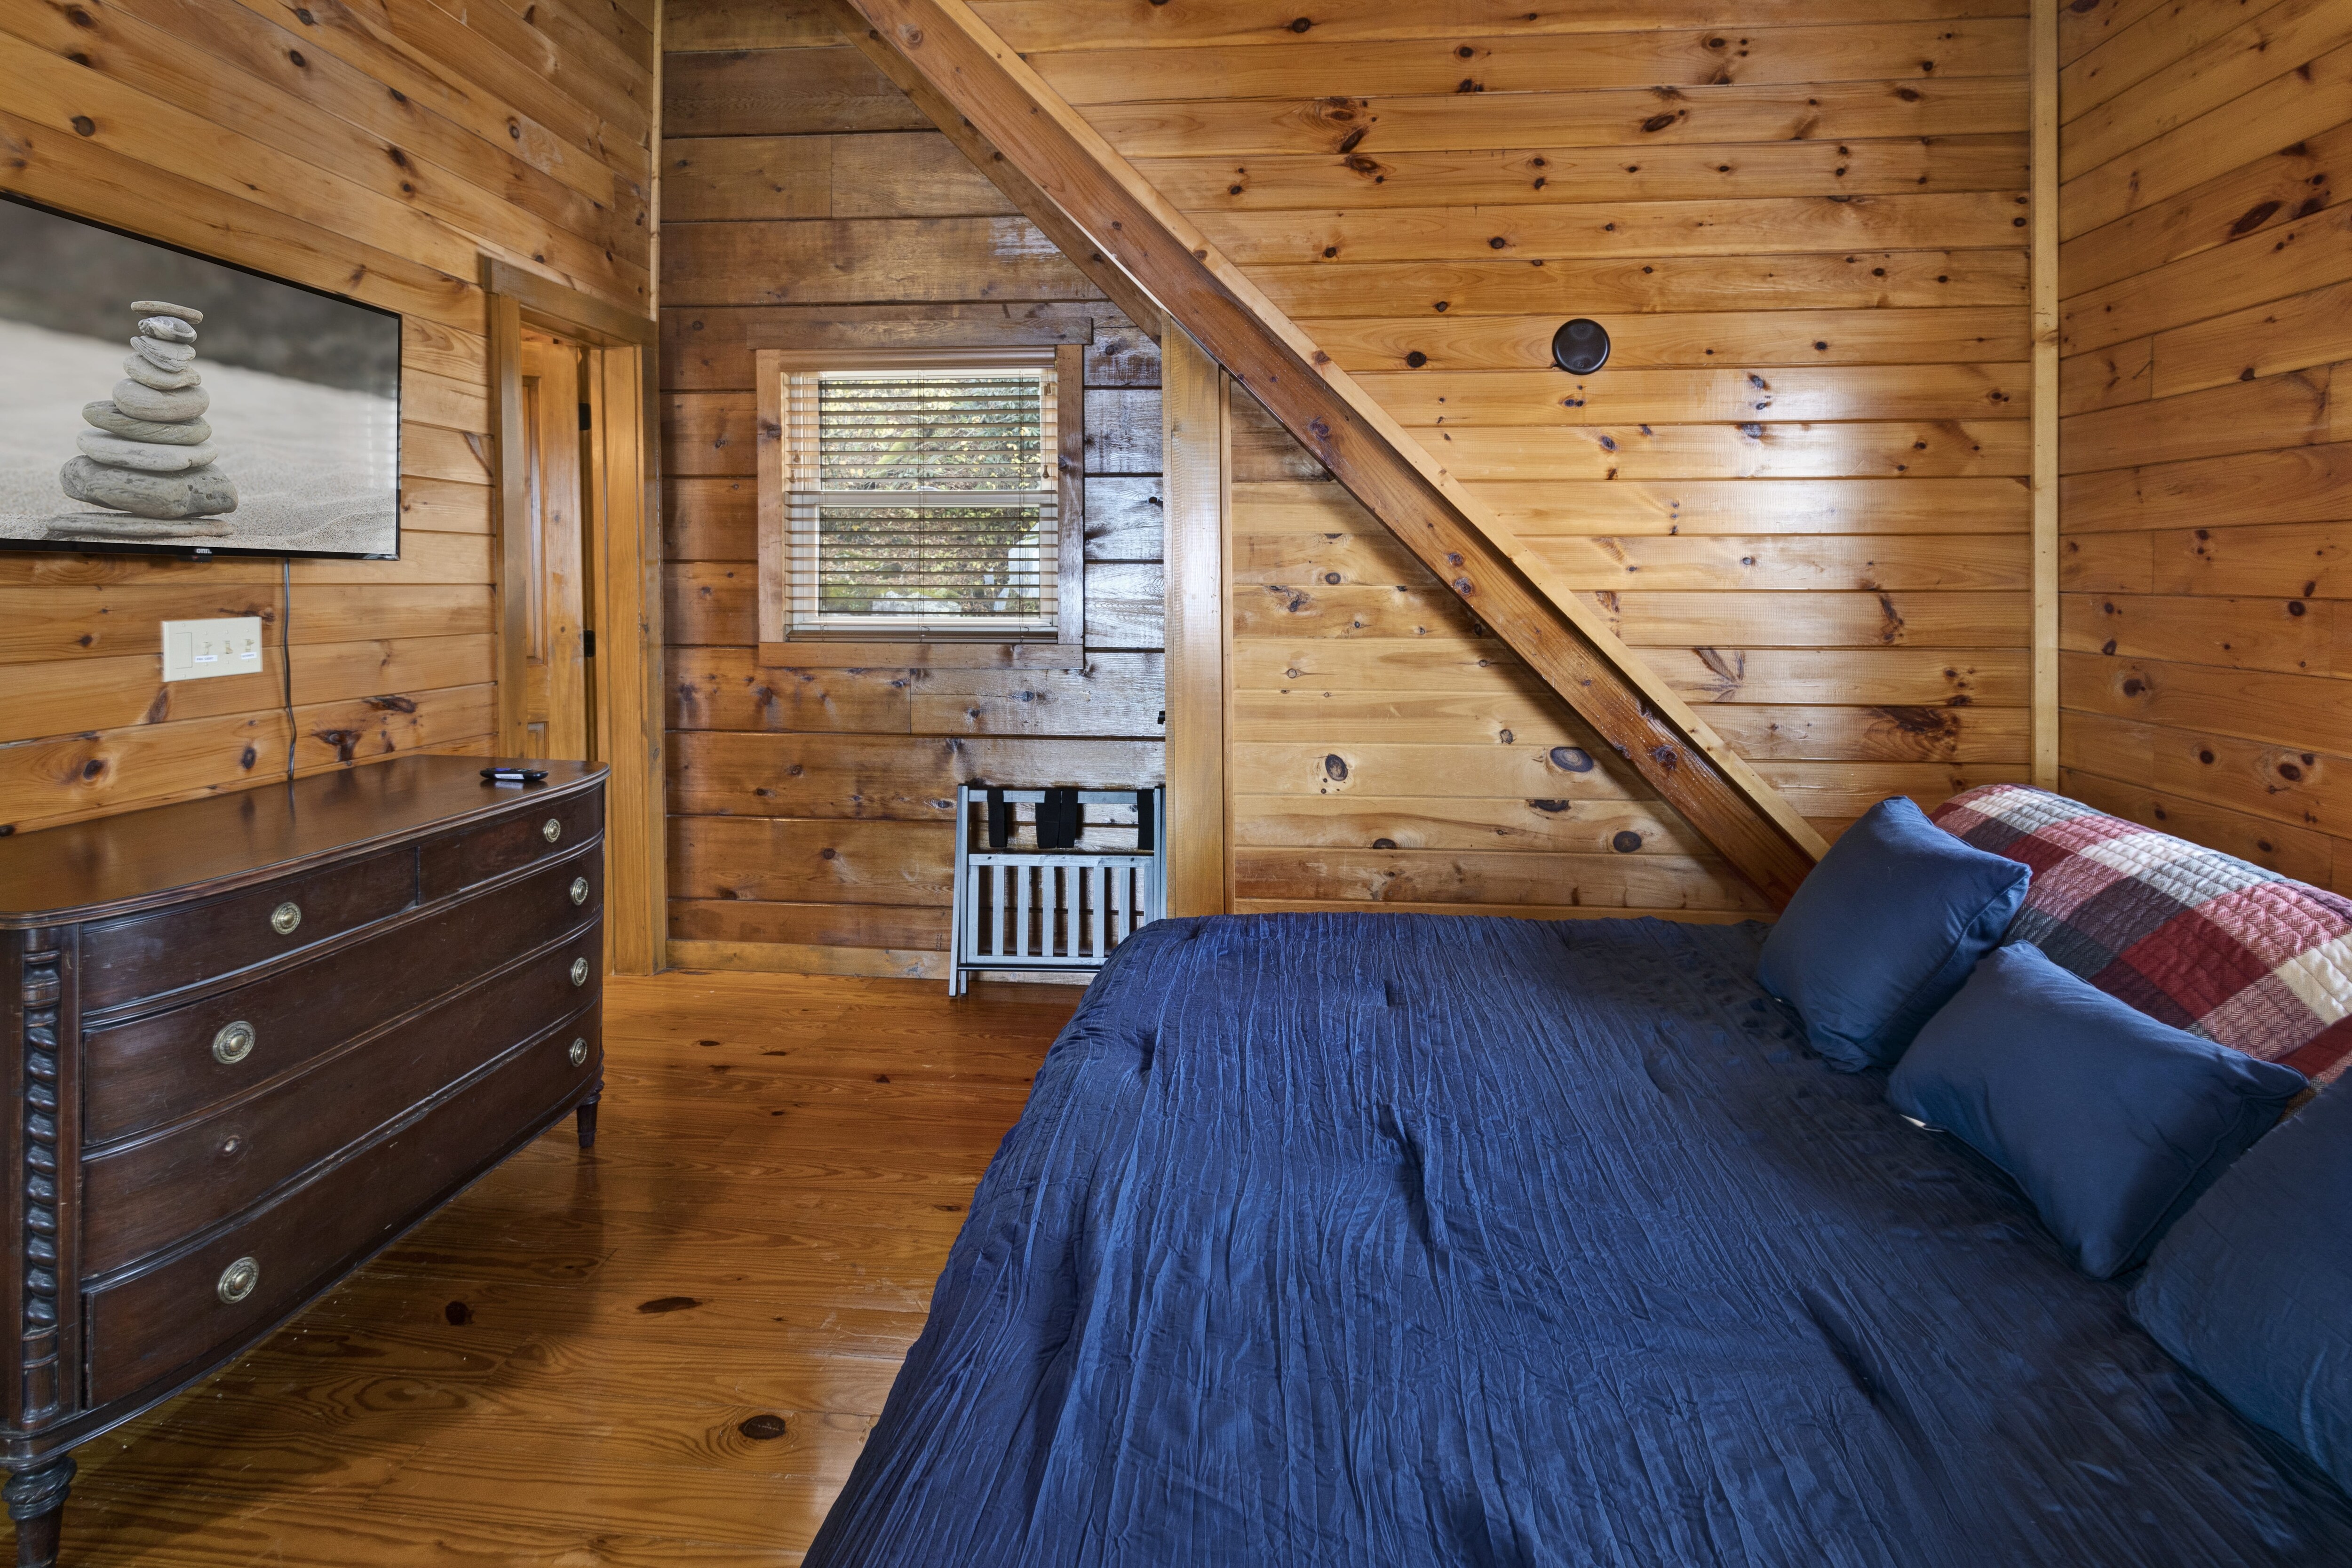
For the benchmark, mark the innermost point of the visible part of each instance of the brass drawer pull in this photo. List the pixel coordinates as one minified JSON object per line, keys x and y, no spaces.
{"x":237,"y":1281}
{"x":285,"y":917}
{"x":233,"y":1044}
{"x":579,"y":889}
{"x":579,"y":1052}
{"x":550,"y":830}
{"x":579,"y":971}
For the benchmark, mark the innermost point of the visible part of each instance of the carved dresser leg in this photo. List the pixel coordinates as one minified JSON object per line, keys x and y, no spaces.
{"x":587,"y":1118}
{"x":37,"y":1501}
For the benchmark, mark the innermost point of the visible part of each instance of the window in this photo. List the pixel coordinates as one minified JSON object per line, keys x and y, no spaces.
{"x":922,"y":495}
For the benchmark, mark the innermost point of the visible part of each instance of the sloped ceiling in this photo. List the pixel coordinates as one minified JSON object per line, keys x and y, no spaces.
{"x":1855,"y":467}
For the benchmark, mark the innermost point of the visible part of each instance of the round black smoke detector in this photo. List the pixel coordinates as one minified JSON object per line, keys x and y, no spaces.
{"x":1581,"y":347}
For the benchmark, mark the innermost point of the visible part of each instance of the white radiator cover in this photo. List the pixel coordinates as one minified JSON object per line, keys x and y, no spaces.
{"x":1054,"y":909}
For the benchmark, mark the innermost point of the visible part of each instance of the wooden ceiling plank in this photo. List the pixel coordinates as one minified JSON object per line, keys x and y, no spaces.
{"x":1507,"y":587}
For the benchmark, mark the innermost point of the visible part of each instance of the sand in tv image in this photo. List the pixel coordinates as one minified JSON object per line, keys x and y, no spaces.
{"x":152,"y":398}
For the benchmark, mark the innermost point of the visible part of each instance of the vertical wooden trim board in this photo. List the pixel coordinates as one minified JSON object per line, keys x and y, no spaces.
{"x":1192,"y":449}
{"x":2044,"y":284}
{"x":1225,"y":559}
{"x":510,"y":499}
{"x":630,"y":680}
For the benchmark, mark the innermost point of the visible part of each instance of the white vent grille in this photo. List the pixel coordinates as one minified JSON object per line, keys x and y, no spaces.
{"x":1068,"y":909}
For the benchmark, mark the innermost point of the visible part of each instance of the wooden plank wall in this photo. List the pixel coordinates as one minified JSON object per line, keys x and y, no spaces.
{"x":1797,"y":488}
{"x":379,"y":151}
{"x":812,"y":807}
{"x":2206,"y":512}
{"x":1384,"y":748}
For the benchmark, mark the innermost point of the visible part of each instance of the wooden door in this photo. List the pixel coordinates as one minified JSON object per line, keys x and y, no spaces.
{"x":557,"y":699}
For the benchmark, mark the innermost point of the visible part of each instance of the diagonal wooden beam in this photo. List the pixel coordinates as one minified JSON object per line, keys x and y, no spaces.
{"x":1018,"y":188}
{"x":1470,"y":549}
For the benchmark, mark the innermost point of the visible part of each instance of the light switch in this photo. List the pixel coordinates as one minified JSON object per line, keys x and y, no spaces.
{"x":198,"y":650}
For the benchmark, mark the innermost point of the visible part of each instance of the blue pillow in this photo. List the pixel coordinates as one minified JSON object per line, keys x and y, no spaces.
{"x":1885,"y":931}
{"x":2253,"y":1291}
{"x":2112,"y":1122}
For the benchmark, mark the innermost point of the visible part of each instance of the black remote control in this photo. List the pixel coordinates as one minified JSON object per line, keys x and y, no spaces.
{"x":514,"y":776}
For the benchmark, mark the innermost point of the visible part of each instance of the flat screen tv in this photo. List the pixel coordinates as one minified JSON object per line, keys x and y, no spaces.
{"x":154,"y":399}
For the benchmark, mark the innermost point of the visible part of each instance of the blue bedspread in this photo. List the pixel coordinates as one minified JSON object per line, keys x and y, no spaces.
{"x":1423,"y":1240}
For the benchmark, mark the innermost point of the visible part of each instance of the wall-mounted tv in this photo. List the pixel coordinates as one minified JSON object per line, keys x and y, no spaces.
{"x":154,"y":399}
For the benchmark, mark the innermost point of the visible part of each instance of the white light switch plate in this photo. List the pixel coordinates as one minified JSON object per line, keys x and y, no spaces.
{"x":198,"y":650}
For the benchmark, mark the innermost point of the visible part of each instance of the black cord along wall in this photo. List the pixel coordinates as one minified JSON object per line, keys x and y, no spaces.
{"x":284,"y":651}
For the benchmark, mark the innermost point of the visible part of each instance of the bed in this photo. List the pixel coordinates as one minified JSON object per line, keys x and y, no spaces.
{"x":1360,"y":1239}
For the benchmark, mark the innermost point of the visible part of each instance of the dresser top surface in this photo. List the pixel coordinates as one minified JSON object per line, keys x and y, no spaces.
{"x":136,"y":857}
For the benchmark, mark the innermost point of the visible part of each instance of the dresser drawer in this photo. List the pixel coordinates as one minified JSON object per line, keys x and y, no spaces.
{"x":156,"y":1070}
{"x":154,"y":954}
{"x":476,"y":854}
{"x":145,"y":1196}
{"x":177,"y":1315}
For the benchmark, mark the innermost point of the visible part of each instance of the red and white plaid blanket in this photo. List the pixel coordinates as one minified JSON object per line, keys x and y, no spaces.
{"x":2195,"y":937}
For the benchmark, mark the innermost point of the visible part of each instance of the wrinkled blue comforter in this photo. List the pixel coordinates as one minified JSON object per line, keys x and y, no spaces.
{"x":1368,"y":1239}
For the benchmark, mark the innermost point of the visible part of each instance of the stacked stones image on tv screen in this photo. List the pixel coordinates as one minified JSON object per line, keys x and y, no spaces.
{"x":151,"y":453}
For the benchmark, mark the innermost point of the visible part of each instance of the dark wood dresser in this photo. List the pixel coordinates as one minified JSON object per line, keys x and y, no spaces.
{"x":252,"y":1039}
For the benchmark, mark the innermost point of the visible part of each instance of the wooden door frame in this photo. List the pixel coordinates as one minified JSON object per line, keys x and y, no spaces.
{"x":624,"y":548}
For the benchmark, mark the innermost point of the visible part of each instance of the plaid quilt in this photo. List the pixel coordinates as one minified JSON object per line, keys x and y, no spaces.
{"x":2198,"y":938}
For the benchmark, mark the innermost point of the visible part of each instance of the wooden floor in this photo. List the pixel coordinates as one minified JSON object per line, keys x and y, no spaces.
{"x":666,"y":1351}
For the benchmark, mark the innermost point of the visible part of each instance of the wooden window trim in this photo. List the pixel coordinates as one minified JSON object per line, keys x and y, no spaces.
{"x":779,"y":645}
{"x":858,"y":328}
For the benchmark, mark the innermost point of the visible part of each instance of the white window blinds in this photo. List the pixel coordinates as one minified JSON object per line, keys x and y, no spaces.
{"x":922,"y":501}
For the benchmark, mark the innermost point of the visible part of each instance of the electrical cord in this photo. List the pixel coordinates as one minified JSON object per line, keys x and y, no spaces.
{"x":284,"y":652}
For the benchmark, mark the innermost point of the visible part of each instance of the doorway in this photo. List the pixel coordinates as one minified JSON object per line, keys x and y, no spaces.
{"x":557,"y":663}
{"x":576,"y":507}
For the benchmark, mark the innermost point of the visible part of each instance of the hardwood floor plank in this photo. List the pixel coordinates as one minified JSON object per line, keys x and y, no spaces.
{"x":665,"y":1353}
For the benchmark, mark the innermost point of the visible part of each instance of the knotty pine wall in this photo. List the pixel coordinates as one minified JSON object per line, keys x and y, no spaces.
{"x":2205,"y":513}
{"x":1797,"y":488}
{"x":378,"y":150}
{"x":1384,"y":748}
{"x":812,"y":822}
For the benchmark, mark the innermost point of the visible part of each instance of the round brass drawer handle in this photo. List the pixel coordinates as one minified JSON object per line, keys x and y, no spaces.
{"x":238,"y":1279}
{"x":233,"y":1044}
{"x":579,"y":889}
{"x":550,"y":830}
{"x":579,"y":1052}
{"x":579,"y":971}
{"x":285,"y":917}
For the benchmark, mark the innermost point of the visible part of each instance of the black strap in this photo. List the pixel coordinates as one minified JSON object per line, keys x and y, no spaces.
{"x":1057,"y":820}
{"x":999,"y":819}
{"x":1144,"y":835}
